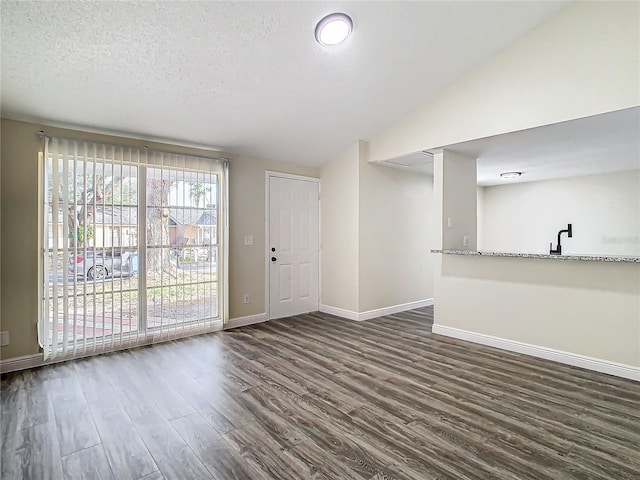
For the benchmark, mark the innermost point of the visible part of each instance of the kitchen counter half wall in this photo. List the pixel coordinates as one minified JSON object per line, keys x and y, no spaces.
{"x":590,"y":258}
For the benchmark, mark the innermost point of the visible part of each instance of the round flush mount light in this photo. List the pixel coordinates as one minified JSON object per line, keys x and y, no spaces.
{"x":333,"y":29}
{"x":510,"y":175}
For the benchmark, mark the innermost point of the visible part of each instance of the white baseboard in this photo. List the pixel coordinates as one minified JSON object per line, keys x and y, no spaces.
{"x":339,"y":312}
{"x":568,"y":358}
{"x":379,"y":312}
{"x":403,"y":307}
{"x":244,"y":321}
{"x":21,"y":363}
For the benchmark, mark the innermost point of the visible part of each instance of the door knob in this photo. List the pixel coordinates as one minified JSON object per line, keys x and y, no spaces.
{"x":273,"y":259}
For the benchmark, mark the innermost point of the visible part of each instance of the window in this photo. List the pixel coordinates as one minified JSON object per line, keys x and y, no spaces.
{"x":134,"y":246}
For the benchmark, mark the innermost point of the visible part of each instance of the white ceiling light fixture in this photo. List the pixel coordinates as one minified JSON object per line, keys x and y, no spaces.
{"x":510,"y":175}
{"x":333,"y":29}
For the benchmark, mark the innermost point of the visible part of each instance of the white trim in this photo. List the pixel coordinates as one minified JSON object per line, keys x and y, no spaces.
{"x":291,"y":176}
{"x":244,"y":321}
{"x":402,"y":307}
{"x":267,"y":250}
{"x":567,"y":358}
{"x":340,"y":312}
{"x":379,"y":312}
{"x":267,"y":175}
{"x":21,"y":363}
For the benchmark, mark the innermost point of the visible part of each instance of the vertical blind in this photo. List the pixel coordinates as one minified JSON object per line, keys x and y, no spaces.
{"x":134,"y":246}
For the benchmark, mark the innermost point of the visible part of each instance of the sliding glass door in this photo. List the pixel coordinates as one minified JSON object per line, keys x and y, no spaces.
{"x":133,"y":246}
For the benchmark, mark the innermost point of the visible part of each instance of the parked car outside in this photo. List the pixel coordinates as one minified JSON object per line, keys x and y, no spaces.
{"x":103,"y":263}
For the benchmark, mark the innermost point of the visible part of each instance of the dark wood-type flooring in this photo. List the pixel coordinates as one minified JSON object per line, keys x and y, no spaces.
{"x":316,"y":396}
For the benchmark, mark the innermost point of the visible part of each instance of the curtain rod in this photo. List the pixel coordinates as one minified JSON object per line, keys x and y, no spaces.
{"x":42,"y":133}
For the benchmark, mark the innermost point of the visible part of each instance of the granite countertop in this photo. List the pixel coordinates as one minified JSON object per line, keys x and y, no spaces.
{"x":590,"y":258}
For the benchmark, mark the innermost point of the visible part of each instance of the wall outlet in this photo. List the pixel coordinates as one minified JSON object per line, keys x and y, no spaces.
{"x":245,"y":299}
{"x":465,"y":241}
{"x":449,"y":222}
{"x":4,"y":338}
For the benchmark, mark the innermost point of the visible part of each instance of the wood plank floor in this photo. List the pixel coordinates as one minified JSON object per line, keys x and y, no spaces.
{"x":316,"y":396}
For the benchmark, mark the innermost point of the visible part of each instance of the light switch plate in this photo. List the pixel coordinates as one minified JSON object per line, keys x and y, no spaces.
{"x":248,"y":240}
{"x":4,"y":338}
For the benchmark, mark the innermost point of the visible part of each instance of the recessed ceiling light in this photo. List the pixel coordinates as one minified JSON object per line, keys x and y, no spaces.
{"x":333,"y":29}
{"x":509,"y":175}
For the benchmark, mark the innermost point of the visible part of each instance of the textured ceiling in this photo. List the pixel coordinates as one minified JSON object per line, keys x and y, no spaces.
{"x":246,"y":77}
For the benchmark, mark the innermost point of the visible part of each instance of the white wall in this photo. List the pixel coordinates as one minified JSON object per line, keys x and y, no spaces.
{"x":582,"y":62}
{"x":376,"y":232}
{"x":339,"y":245}
{"x":396,"y":208}
{"x":604,"y":211}
{"x":585,"y":308}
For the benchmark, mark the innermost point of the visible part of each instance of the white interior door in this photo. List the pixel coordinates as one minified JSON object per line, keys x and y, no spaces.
{"x":293,"y":246}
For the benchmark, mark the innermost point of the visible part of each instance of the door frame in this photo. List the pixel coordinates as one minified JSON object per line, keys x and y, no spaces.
{"x":267,"y":286}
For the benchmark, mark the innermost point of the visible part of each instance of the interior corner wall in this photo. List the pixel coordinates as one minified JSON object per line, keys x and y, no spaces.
{"x":376,"y":231}
{"x":19,"y":243}
{"x":396,"y":266}
{"x":339,"y":231}
{"x":581,"y":62}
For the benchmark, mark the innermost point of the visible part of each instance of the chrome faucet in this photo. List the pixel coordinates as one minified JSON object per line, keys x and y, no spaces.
{"x":558,"y":250}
